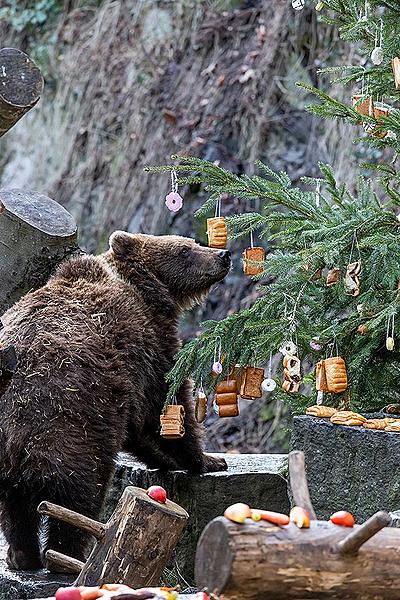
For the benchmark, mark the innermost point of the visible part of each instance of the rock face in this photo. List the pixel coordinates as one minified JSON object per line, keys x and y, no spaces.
{"x":257,"y":479}
{"x":349,"y":468}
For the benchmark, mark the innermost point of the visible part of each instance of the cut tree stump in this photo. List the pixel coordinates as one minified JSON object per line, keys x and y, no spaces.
{"x":261,"y":560}
{"x":21,"y":85}
{"x":36,"y":234}
{"x":133,"y":547}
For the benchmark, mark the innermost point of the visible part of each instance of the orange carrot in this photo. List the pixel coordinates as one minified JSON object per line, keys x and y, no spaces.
{"x":270,"y":516}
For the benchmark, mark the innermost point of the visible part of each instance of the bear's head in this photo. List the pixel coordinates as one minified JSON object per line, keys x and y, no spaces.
{"x":187,"y":269}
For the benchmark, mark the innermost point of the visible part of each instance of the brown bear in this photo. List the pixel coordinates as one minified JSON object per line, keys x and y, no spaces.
{"x":93,"y":347}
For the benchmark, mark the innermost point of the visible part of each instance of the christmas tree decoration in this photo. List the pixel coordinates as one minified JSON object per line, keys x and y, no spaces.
{"x":252,"y":255}
{"x":333,"y":276}
{"x":362,"y":329}
{"x":331,"y":375}
{"x":201,"y":406}
{"x":226,"y":399}
{"x":269,"y":385}
{"x":288,"y":347}
{"x":291,"y":373}
{"x":172,"y":421}
{"x":298,"y":4}
{"x":374,"y":129}
{"x":377,"y":53}
{"x":396,"y":71}
{"x":217,"y":367}
{"x":390,"y":334}
{"x":217,"y":231}
{"x":319,"y":6}
{"x":173,"y":200}
{"x":315,"y":344}
{"x":366,"y":107}
{"x":351,"y":280}
{"x":252,"y":379}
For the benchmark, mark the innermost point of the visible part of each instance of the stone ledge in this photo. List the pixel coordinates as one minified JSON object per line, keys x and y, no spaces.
{"x":258,"y":480}
{"x":350,"y":468}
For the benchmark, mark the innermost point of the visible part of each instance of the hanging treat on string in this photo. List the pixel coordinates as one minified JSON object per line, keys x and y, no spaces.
{"x":379,"y":111}
{"x":173,"y":200}
{"x":252,"y":255}
{"x":298,"y":4}
{"x":201,"y":405}
{"x":216,"y":229}
{"x":352,"y":280}
{"x":377,"y":53}
{"x":172,"y":421}
{"x":396,"y":71}
{"x":269,"y":385}
{"x":252,"y":379}
{"x":226,"y":397}
{"x":333,"y":276}
{"x":364,"y":106}
{"x":291,"y":367}
{"x":390,"y":334}
{"x":217,"y":364}
{"x":330,"y":375}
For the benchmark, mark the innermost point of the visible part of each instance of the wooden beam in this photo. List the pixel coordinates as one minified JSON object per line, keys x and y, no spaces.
{"x":21,"y":85}
{"x":298,"y":482}
{"x":357,"y":537}
{"x":72,"y":518}
{"x":60,"y":563}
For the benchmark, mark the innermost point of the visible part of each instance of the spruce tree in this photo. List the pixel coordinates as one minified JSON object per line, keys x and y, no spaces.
{"x":313,"y":232}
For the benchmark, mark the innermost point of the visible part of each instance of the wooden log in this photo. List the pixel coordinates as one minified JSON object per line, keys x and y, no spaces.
{"x":72,"y":518}
{"x":36,"y":234}
{"x":133,"y":547}
{"x":298,"y":482}
{"x":61,"y":563}
{"x":260,"y":560}
{"x":21,"y":85}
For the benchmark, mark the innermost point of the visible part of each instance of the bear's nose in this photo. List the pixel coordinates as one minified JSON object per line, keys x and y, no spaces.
{"x":225,"y":255}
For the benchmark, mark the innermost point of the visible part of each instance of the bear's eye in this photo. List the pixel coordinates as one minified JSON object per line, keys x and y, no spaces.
{"x":185,"y":252}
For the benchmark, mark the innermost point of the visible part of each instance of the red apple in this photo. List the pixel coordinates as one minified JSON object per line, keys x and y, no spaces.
{"x":157,"y":493}
{"x":70,"y":593}
{"x":343,"y":518}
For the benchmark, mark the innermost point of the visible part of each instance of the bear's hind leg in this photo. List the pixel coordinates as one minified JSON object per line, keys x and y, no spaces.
{"x":20,"y":525}
{"x":83,"y":496}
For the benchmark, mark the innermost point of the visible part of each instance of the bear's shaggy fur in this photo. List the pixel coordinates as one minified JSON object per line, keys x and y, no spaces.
{"x":94,"y":345}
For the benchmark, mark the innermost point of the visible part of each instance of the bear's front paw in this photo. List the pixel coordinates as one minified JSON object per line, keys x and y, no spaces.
{"x":212,"y":464}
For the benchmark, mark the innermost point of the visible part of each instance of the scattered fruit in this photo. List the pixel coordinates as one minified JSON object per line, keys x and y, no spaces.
{"x":237,"y":513}
{"x":300,"y":517}
{"x":70,"y":593}
{"x":270,"y":516}
{"x":343,"y":518}
{"x":157,"y":493}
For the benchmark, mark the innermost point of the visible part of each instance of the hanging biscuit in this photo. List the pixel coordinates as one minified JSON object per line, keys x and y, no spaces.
{"x":396,"y":71}
{"x":256,"y":254}
{"x":226,"y":386}
{"x":351,"y":279}
{"x":331,"y":375}
{"x":172,"y":422}
{"x":333,"y":276}
{"x":228,"y":410}
{"x":366,"y":107}
{"x":217,"y":232}
{"x":201,"y":407}
{"x":251,"y":383}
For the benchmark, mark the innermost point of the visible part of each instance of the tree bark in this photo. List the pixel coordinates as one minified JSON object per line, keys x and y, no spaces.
{"x":20,"y":89}
{"x":261,"y":560}
{"x":36,"y":234}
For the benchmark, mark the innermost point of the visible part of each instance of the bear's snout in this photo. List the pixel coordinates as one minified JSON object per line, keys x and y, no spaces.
{"x":225,"y":256}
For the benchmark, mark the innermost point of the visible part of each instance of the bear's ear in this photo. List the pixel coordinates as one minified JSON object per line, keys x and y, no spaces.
{"x":124,"y":244}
